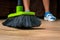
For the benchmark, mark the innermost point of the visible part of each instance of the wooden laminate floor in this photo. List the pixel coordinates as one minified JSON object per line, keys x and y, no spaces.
{"x":47,"y":31}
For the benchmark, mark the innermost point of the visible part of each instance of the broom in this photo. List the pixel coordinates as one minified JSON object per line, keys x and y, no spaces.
{"x":22,"y":19}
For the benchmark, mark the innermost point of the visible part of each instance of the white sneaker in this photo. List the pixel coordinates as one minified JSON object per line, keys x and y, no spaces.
{"x":50,"y":17}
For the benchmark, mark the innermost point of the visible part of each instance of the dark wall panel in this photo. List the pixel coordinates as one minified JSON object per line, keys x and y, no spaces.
{"x":8,"y":6}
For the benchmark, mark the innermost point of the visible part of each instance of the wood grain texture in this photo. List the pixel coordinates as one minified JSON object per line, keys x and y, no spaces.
{"x":47,"y":31}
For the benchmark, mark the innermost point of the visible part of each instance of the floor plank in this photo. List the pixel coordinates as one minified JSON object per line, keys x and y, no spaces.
{"x":47,"y":31}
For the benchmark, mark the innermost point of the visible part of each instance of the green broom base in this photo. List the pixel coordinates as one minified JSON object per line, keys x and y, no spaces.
{"x":20,"y":13}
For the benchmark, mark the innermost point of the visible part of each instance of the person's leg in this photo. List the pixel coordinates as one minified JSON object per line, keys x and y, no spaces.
{"x":48,"y":15}
{"x":46,"y":5}
{"x":26,"y":4}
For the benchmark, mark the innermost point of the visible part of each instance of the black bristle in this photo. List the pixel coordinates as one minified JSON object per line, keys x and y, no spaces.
{"x":23,"y":21}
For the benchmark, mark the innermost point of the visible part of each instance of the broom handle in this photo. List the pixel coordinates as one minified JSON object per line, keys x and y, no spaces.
{"x":19,"y":6}
{"x":19,"y":3}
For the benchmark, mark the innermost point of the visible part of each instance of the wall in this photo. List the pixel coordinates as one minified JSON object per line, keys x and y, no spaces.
{"x":8,"y":6}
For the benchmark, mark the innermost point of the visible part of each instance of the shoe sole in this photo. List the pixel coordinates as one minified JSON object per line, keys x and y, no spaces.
{"x":47,"y":19}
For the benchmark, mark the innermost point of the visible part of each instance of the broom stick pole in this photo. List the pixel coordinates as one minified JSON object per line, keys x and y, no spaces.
{"x":19,"y":3}
{"x":19,"y":6}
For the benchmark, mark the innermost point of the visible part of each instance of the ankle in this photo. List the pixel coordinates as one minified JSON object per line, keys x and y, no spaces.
{"x":27,"y":10}
{"x":47,"y":13}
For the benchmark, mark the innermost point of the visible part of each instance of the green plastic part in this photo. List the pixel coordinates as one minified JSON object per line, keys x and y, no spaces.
{"x":20,"y":13}
{"x":19,"y":8}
